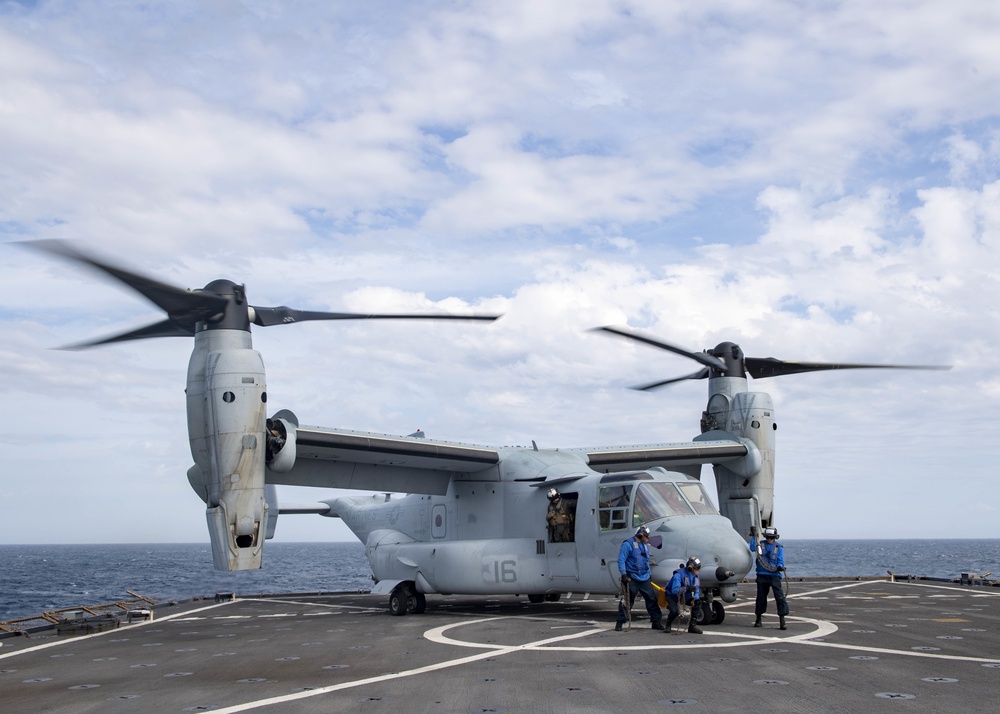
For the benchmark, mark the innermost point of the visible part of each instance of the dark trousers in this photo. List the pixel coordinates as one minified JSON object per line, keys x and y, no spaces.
{"x":644,"y":588}
{"x":772,"y":583}
{"x":673,"y":609}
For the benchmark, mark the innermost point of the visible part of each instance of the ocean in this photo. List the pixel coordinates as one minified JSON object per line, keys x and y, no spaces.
{"x":38,"y":578}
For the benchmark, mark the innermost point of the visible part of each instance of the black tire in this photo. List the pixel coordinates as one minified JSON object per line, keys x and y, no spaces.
{"x":553,"y":597}
{"x":706,"y":616}
{"x":718,"y":612}
{"x":535,"y":599}
{"x":416,"y":603}
{"x":397,"y":601}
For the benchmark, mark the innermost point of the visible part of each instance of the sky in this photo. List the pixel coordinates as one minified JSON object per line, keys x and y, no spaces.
{"x":815,"y":181}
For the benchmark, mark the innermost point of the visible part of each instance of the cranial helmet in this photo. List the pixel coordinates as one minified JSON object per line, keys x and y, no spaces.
{"x":642,"y":531}
{"x":693,"y":563}
{"x":771,"y":533}
{"x":552,"y":494}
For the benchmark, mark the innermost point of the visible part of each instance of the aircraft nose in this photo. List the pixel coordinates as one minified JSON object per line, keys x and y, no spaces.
{"x":734,"y":563}
{"x":725,"y":556}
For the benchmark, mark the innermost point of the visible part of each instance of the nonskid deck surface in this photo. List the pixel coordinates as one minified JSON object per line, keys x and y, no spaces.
{"x":850,"y":647}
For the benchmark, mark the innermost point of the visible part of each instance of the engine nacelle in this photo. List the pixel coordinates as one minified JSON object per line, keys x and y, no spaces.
{"x":226,"y":395}
{"x":746,"y":487}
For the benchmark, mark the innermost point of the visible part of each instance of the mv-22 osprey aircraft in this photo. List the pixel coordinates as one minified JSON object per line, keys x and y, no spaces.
{"x":474,"y":519}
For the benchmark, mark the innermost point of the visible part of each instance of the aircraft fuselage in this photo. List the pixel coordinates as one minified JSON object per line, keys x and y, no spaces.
{"x":487,"y":537}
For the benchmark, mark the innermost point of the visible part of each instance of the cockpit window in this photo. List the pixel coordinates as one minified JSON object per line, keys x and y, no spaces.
{"x":613,"y":506}
{"x":696,"y":494}
{"x":658,"y":500}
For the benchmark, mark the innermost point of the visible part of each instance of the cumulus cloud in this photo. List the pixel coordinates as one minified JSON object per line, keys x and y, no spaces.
{"x":813,"y":182}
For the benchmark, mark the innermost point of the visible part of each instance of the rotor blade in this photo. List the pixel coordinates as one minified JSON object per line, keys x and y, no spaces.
{"x":166,"y":328}
{"x":268,"y":316}
{"x":763,"y":367}
{"x":700,"y":357}
{"x":194,"y":306}
{"x":700,"y":374}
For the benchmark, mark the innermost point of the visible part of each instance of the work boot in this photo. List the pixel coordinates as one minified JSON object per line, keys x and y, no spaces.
{"x":781,"y":622}
{"x":618,"y":627}
{"x":756,"y":623}
{"x":667,"y":628}
{"x":694,"y":630}
{"x":658,"y":625}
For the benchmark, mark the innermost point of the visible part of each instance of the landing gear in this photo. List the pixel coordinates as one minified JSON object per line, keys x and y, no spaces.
{"x":536,"y":599}
{"x":707,"y":615}
{"x":718,"y":612}
{"x":397,"y":601}
{"x":416,"y":603}
{"x":553,"y":597}
{"x":404,"y":599}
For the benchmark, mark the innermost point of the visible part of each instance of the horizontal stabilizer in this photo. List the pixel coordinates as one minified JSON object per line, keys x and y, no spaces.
{"x":322,"y":509}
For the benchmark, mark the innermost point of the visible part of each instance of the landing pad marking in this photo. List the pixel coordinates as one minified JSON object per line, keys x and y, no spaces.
{"x":494,"y":651}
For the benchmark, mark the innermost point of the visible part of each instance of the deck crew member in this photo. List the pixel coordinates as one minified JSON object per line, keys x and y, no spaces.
{"x":633,"y":564}
{"x":770,"y":557}
{"x":685,"y":587}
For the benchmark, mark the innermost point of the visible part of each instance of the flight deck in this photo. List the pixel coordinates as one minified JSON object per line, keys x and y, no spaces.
{"x":850,"y":646}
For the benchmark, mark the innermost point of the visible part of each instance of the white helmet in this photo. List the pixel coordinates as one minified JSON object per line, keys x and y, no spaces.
{"x":693,"y":563}
{"x":771,"y":533}
{"x":552,"y":494}
{"x":642,"y":531}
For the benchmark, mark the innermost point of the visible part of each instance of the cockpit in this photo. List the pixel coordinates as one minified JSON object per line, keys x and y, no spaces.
{"x":629,"y":499}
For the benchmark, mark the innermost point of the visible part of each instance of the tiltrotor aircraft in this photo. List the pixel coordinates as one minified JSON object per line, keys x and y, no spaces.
{"x":474,"y":517}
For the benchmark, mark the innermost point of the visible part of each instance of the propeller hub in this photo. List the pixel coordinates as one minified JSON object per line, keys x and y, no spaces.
{"x":235,"y":315}
{"x":732,"y":357}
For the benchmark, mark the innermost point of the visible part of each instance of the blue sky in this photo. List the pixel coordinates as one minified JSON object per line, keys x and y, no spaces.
{"x":815,"y":181}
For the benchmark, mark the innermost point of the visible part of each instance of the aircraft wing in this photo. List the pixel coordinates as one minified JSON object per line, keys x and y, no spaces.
{"x":367,"y":461}
{"x":626,"y":458}
{"x":339,"y":458}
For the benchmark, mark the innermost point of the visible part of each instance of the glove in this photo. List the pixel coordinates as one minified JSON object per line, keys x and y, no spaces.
{"x":781,"y":568}
{"x":625,"y":580}
{"x":753,"y":530}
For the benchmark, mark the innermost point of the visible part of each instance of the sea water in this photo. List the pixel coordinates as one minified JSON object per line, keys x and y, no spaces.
{"x":38,"y":578}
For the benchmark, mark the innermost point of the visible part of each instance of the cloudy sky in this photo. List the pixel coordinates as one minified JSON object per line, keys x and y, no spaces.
{"x":815,"y":181}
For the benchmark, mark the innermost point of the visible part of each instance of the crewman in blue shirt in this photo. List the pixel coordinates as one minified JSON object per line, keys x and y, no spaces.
{"x":633,"y":564}
{"x":770,"y":557}
{"x":685,"y":586}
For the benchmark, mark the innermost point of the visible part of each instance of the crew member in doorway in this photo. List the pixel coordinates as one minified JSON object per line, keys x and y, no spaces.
{"x":770,"y":557}
{"x":559,"y":518}
{"x":685,"y":587}
{"x":633,"y":564}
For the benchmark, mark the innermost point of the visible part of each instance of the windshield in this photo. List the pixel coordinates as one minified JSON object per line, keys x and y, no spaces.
{"x":695,"y":493}
{"x":651,"y":501}
{"x":657,"y":500}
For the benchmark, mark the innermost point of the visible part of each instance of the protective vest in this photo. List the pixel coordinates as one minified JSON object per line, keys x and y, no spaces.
{"x":633,"y":559}
{"x":769,"y":559}
{"x":684,"y":581}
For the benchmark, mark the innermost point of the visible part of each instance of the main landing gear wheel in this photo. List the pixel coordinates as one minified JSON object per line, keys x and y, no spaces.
{"x":416,"y":603}
{"x":535,"y":599}
{"x":397,"y":601}
{"x":404,"y":599}
{"x":718,"y":612}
